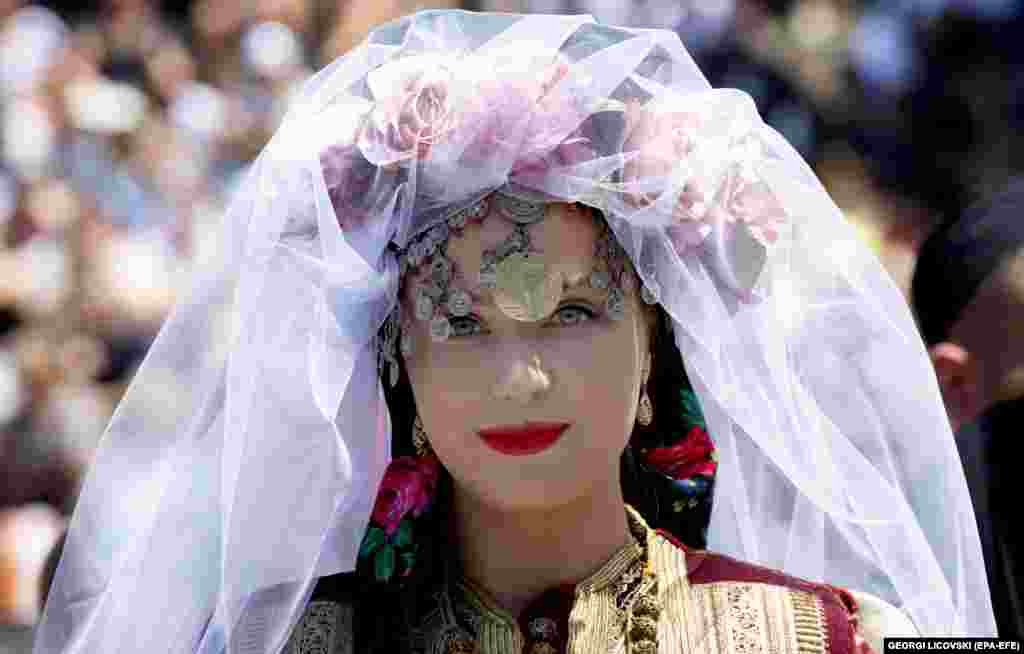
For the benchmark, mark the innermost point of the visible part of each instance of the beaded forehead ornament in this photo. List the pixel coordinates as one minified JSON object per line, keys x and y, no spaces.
{"x":523,"y":284}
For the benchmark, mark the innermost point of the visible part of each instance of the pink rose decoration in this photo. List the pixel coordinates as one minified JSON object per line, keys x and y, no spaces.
{"x":408,"y":487}
{"x":349,"y":178}
{"x":527,"y":118}
{"x":751,"y":202}
{"x":406,"y":124}
{"x":688,"y":234}
{"x":661,"y":141}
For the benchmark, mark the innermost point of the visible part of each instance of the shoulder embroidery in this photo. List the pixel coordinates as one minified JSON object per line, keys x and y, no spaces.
{"x":834,"y":609}
{"x":325,"y":628}
{"x":757,"y":618}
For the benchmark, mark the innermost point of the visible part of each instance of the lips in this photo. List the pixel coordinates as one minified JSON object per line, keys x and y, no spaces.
{"x":523,"y":439}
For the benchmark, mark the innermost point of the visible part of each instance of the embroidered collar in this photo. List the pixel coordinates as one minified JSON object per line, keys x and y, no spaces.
{"x":467,"y":615}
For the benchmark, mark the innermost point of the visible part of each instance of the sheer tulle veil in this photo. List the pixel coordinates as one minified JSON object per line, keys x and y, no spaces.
{"x":243,"y":461}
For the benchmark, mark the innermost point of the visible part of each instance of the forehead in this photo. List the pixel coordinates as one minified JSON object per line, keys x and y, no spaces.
{"x":568,"y":229}
{"x":566,"y":238}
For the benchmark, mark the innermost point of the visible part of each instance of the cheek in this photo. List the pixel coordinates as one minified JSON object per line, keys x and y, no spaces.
{"x":455,"y":374}
{"x":450,"y":385}
{"x":601,"y":380}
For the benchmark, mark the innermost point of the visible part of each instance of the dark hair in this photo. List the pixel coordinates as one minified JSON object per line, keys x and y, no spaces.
{"x":959,"y":255}
{"x":384,"y":610}
{"x":647,"y":490}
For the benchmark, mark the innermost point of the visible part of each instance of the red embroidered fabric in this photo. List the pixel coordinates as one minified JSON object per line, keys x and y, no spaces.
{"x":703,"y":567}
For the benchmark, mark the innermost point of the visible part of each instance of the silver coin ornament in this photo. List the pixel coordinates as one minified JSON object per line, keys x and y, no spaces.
{"x":460,"y":303}
{"x":615,"y":303}
{"x":651,"y":292}
{"x":440,"y":328}
{"x":519,"y":211}
{"x":424,"y":305}
{"x":543,"y":629}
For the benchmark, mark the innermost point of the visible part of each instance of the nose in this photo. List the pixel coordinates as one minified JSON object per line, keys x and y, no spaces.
{"x":523,"y":380}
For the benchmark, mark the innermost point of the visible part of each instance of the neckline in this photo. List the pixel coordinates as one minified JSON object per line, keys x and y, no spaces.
{"x":607,"y":574}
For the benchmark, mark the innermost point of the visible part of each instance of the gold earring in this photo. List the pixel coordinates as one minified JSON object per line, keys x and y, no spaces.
{"x":419,"y":438}
{"x":644,"y":412}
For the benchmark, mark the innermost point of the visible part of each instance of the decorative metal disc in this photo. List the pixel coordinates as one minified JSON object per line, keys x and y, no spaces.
{"x":519,"y":211}
{"x":527,"y":289}
{"x":543,"y":629}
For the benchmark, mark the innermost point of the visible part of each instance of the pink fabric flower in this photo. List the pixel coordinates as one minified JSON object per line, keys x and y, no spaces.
{"x":660,"y":140}
{"x":348,"y":177}
{"x":742,"y":200}
{"x":523,"y":122}
{"x":688,"y":234}
{"x":526,"y":120}
{"x":412,"y":118}
{"x":408,"y":487}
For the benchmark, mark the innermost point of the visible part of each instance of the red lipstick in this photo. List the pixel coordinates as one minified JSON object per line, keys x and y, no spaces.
{"x":524,"y":439}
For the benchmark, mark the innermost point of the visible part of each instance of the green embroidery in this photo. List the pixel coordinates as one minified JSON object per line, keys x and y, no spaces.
{"x":390,"y":555}
{"x":384,"y":563}
{"x":373,"y":539}
{"x":692,"y":414}
{"x":403,"y":535}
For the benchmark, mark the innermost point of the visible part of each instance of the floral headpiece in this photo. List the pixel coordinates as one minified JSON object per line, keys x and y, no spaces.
{"x":531,"y":123}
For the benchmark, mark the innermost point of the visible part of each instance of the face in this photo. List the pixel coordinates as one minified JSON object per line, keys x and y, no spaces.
{"x":531,"y":414}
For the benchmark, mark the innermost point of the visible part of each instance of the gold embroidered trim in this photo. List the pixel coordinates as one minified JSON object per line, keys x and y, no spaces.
{"x":499,"y":631}
{"x":611,"y":571}
{"x":484,"y":604}
{"x":679,"y":626}
{"x":809,"y":618}
{"x":597,"y":621}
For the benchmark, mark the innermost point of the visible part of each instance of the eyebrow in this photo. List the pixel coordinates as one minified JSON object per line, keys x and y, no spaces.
{"x":485,"y":297}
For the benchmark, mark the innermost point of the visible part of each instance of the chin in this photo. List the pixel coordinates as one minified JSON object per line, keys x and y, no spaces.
{"x":514,"y":493}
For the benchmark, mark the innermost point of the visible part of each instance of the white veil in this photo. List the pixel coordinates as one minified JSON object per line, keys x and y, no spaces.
{"x":243,"y":461}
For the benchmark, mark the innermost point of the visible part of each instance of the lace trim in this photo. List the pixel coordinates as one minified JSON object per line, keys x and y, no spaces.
{"x":744,"y":620}
{"x":756,"y":618}
{"x":325,"y":628}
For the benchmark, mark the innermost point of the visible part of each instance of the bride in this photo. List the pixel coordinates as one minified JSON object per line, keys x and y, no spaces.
{"x":524,"y":340}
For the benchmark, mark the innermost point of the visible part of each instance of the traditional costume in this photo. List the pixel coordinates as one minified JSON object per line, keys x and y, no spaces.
{"x":703,"y":603}
{"x":240,"y":474}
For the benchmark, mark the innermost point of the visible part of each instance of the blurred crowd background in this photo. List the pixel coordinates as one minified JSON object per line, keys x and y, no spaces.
{"x":124,"y":125}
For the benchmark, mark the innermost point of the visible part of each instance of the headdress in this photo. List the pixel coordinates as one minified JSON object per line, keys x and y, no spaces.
{"x":244,"y":459}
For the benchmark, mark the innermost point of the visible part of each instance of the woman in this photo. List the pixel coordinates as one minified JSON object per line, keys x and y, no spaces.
{"x":482,"y":247}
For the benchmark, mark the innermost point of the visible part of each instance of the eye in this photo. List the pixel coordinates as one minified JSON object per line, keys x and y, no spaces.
{"x":465,"y":326}
{"x":573,"y":314}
